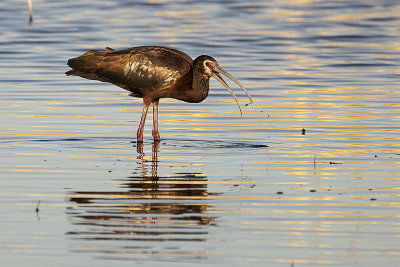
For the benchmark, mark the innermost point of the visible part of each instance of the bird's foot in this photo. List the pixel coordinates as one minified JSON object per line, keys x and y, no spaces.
{"x":156,"y":136}
{"x":140,"y":137}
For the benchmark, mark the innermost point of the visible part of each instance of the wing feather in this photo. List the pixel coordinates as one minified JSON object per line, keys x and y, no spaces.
{"x":151,"y":73}
{"x":136,"y":69}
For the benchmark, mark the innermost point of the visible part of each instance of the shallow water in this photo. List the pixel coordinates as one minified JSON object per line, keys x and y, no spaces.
{"x":218,"y":189}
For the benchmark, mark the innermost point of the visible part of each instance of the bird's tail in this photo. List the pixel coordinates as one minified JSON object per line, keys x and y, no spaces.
{"x":86,"y":62}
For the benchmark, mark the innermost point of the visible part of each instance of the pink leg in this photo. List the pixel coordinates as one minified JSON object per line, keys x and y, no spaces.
{"x":142,"y":121}
{"x":156,"y":135}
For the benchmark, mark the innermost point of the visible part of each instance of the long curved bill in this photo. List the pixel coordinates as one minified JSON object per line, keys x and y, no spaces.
{"x":216,"y":74}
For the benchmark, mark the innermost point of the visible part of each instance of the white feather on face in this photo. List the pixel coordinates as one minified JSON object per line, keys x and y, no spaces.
{"x":209,"y":66}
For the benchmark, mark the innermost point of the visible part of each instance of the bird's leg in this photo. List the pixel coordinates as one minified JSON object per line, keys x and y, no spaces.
{"x":146,"y":105}
{"x":156,"y":135}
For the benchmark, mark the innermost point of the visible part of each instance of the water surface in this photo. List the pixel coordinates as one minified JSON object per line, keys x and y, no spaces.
{"x":218,"y":189}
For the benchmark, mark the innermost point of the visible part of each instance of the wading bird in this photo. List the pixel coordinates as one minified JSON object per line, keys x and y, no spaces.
{"x":151,"y":73}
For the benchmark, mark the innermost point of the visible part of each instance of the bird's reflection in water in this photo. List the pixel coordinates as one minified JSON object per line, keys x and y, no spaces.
{"x":153,"y":215}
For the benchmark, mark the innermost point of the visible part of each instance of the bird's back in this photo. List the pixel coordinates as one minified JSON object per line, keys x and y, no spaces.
{"x":137,"y":69}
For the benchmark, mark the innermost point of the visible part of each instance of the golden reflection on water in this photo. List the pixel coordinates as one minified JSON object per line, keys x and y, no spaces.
{"x":328,"y":196}
{"x":150,"y":212}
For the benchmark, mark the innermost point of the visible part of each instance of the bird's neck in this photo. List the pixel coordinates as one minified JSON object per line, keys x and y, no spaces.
{"x":200,"y":87}
{"x":193,"y":90}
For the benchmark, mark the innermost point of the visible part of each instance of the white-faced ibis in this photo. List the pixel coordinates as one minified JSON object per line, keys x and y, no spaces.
{"x":153,"y":72}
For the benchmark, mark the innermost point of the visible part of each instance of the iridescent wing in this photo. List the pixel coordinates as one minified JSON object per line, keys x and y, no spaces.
{"x":145,"y":68}
{"x":136,"y":69}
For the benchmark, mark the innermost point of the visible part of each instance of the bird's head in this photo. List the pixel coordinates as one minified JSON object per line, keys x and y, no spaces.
{"x":209,"y":67}
{"x":205,"y":64}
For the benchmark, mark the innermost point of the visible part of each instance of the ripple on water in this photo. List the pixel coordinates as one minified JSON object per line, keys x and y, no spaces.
{"x":218,"y":189}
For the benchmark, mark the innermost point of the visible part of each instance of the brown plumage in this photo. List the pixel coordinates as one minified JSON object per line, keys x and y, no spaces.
{"x":152,"y":72}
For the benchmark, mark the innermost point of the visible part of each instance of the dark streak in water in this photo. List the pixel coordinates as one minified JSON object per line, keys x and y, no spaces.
{"x":358,"y":65}
{"x":213,"y":144}
{"x":61,"y":140}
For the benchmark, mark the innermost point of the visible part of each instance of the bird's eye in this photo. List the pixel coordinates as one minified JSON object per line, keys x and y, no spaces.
{"x":210,"y":65}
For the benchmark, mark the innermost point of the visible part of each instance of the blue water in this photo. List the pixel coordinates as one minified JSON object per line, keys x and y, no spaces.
{"x":218,"y":189}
